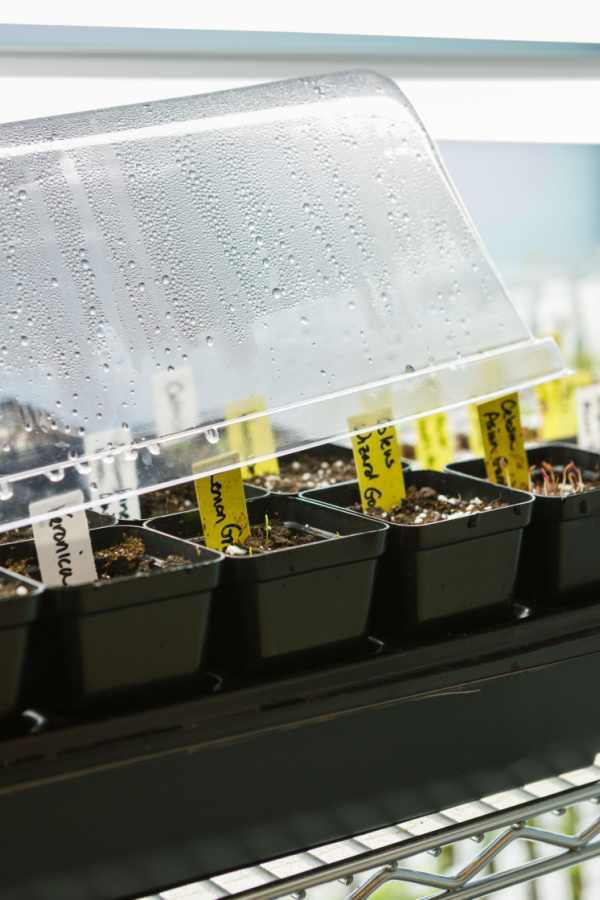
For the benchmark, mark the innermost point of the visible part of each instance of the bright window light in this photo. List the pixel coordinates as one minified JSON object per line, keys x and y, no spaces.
{"x":532,"y":20}
{"x":548,"y":111}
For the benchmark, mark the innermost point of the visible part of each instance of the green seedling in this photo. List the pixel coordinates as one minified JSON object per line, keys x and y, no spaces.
{"x":267,"y":529}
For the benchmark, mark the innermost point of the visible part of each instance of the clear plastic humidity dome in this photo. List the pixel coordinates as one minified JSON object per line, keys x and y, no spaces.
{"x":294,"y":248}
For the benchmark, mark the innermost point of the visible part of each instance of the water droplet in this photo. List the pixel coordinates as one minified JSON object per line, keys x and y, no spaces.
{"x":130,"y":454}
{"x":92,"y":310}
{"x":165,"y":279}
{"x":212,"y":435}
{"x":351,"y":304}
{"x":266,"y":263}
{"x":303,"y":320}
{"x":141,"y":286}
{"x":83,"y":467}
{"x":277,"y":293}
{"x":93,"y":486}
{"x":54,"y":282}
{"x":323,"y":372}
{"x":55,"y":475}
{"x":210,"y":341}
{"x":106,"y":367}
{"x":22,"y":194}
{"x":6,"y":490}
{"x":154,"y":449}
{"x":409,"y":368}
{"x":6,"y":447}
{"x":306,"y":207}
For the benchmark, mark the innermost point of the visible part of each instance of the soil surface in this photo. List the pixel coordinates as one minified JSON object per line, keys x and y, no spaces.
{"x":559,"y":484}
{"x":179,"y":498}
{"x":424,"y":505}
{"x":304,"y":471}
{"x":129,"y":557}
{"x":17,"y":534}
{"x":10,"y":589}
{"x":275,"y":535}
{"x":126,"y":557}
{"x":300,"y":472}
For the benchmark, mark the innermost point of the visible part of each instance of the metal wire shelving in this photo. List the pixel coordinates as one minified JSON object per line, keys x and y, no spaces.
{"x":367,"y":862}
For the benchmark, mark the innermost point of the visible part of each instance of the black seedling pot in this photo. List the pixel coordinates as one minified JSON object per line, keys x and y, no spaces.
{"x":16,"y":616}
{"x":134,"y":639}
{"x":445,"y":576}
{"x":560,"y":560}
{"x":298,"y":606}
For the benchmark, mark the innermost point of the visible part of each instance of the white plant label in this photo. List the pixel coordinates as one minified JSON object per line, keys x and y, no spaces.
{"x":175,"y":405}
{"x":114,"y":477}
{"x":63,"y":542}
{"x":587,"y":405}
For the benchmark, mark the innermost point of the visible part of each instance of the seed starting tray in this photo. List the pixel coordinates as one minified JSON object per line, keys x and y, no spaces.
{"x":123,"y":806}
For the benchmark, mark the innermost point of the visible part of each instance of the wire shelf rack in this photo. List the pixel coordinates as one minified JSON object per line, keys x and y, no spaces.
{"x":368,"y":861}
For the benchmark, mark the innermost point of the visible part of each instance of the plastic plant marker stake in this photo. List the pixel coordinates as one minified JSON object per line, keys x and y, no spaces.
{"x":175,"y":404}
{"x":587,"y":410}
{"x":378,"y":463}
{"x":504,"y":447}
{"x":222,"y":504}
{"x":253,"y":437}
{"x":558,"y":405}
{"x":112,"y":478}
{"x":475,"y":442}
{"x":63,"y":542}
{"x":434,"y":441}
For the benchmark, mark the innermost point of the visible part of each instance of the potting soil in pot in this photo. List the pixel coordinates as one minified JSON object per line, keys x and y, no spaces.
{"x":306,"y":471}
{"x":126,"y":557}
{"x":424,"y":505}
{"x":274,"y":535}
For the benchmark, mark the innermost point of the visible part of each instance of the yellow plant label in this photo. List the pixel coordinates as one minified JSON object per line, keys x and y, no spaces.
{"x":377,"y":458}
{"x":434,"y":442}
{"x":253,"y":437}
{"x":475,"y":442}
{"x":504,"y":448}
{"x":559,"y":409}
{"x":222,"y":504}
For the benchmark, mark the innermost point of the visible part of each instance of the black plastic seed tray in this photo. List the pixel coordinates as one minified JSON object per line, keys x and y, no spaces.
{"x":124,"y":806}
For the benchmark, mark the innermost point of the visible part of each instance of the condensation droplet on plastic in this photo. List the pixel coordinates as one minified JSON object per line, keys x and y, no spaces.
{"x":22,"y":194}
{"x":351,"y":304}
{"x":212,"y":435}
{"x":141,"y":286}
{"x":92,"y":310}
{"x":55,"y":475}
{"x":130,"y":454}
{"x":165,"y":279}
{"x":303,"y":320}
{"x":277,"y":293}
{"x":93,"y":486}
{"x":266,"y":263}
{"x":83,"y":467}
{"x":210,"y":341}
{"x":154,"y":449}
{"x":6,"y":490}
{"x":54,"y":282}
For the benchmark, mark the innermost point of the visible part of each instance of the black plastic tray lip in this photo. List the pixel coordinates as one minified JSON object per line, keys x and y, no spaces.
{"x":555,"y":508}
{"x":95,"y":519}
{"x":367,"y":536}
{"x":437,"y":534}
{"x":406,"y":674}
{"x":17,"y":611}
